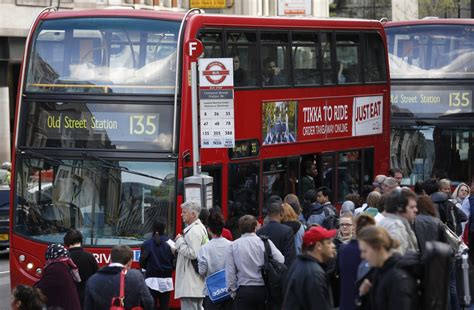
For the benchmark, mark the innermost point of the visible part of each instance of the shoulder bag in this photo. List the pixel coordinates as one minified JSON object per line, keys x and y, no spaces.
{"x":118,"y":302}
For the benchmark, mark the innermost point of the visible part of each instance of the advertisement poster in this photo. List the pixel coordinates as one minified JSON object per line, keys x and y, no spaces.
{"x":321,"y":119}
{"x":279,"y":122}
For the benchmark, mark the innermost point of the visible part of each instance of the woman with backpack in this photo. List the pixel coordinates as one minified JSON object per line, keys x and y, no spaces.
{"x":391,"y":287}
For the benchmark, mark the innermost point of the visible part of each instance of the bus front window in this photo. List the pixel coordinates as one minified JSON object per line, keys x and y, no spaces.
{"x":109,"y":204}
{"x":104,"y":55}
{"x":431,"y":51}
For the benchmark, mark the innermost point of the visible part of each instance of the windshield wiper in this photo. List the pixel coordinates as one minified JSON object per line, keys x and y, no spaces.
{"x":110,"y":165}
{"x":41,"y":156}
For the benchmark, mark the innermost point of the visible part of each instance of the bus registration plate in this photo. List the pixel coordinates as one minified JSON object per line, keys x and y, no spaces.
{"x":3,"y":237}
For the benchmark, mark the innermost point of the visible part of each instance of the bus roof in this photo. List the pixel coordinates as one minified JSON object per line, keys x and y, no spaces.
{"x":218,"y":19}
{"x":155,"y":14}
{"x":431,"y":21}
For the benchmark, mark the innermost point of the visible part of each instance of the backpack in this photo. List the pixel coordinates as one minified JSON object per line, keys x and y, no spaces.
{"x":431,"y":274}
{"x":331,"y":220}
{"x":273,"y":274}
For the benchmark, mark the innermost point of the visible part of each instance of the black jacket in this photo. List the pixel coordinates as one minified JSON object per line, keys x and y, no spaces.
{"x":156,"y":258}
{"x":307,"y":286}
{"x":87,"y":266}
{"x":393,"y":288}
{"x":428,"y":228}
{"x":283,"y":238}
{"x":105,"y":284}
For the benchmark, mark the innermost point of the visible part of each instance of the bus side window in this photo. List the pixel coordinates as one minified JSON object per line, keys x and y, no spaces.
{"x":275,"y":59}
{"x":374,"y":67}
{"x":242,"y":47}
{"x":347,"y":54}
{"x":274,"y":179}
{"x":305,"y":51}
{"x":212,"y":41}
{"x":326,"y":42}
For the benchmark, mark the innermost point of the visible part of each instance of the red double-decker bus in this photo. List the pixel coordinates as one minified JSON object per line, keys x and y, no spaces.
{"x":103,"y":130}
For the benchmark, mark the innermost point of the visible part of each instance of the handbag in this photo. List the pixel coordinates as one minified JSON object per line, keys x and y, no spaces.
{"x":217,"y":287}
{"x":118,"y":302}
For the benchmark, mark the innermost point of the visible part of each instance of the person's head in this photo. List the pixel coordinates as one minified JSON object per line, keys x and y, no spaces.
{"x":425,"y":206}
{"x":247,"y":224}
{"x":322,"y":194}
{"x":121,"y":254}
{"x":439,"y":174}
{"x":347,"y":207}
{"x":275,"y":211}
{"x":402,"y":202}
{"x":204,"y":216}
{"x":430,"y":186}
{"x":418,"y":188}
{"x":397,"y":174}
{"x":373,"y":199}
{"x":190,"y":211}
{"x":7,"y":166}
{"x":444,"y":185}
{"x":73,"y":238}
{"x":269,"y":66}
{"x":236,"y":62}
{"x":317,"y":242}
{"x":376,"y":245}
{"x":310,"y":196}
{"x":345,"y":225}
{"x":56,"y":251}
{"x":377,"y":183}
{"x":294,"y":202}
{"x":289,"y":215}
{"x":309,"y":168}
{"x":27,"y":298}
{"x":361,"y":221}
{"x":355,"y":198}
{"x":461,"y":191}
{"x":215,"y":223}
{"x":158,"y":228}
{"x":389,"y":184}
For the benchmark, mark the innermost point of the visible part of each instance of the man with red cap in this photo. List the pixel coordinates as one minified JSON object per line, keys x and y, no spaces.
{"x":307,"y":284}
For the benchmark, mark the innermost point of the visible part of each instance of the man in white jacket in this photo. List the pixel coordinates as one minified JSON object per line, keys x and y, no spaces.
{"x":189,"y":284}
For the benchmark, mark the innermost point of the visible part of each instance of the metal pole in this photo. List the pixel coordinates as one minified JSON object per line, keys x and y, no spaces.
{"x":194,"y":117}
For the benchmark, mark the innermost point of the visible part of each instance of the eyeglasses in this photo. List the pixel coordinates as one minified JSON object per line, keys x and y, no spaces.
{"x":345,"y":225}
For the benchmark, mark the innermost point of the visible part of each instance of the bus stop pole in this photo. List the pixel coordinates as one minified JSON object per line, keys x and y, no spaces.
{"x":194,"y":106}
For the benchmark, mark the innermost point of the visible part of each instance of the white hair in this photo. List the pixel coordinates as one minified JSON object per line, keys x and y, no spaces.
{"x":193,"y":206}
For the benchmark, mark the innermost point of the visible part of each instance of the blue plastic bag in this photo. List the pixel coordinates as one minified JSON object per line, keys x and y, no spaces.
{"x":216,"y":287}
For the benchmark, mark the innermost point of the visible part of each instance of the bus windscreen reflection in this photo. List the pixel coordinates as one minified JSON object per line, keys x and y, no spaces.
{"x":108,"y":204}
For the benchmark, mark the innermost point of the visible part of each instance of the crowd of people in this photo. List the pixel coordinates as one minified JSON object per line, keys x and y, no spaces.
{"x":352,"y":258}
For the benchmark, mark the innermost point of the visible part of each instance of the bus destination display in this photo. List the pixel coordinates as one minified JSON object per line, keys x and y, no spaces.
{"x":429,"y":101}
{"x":127,"y":126}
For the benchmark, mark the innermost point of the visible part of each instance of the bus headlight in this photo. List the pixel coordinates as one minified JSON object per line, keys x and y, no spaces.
{"x":38,"y":271}
{"x":29,"y":266}
{"x":21,"y":258}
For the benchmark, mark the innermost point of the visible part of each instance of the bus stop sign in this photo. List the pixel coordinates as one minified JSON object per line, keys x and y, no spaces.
{"x":194,"y":49}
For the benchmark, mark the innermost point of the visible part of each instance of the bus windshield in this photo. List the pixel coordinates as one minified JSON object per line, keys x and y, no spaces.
{"x":104,"y":55}
{"x":112,"y":203}
{"x":431,"y":51}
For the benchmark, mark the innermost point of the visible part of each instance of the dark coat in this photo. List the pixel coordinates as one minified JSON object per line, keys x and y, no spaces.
{"x":58,"y":286}
{"x":307,"y":286}
{"x":348,"y":263}
{"x":156,"y":257}
{"x":448,"y":212}
{"x":283,"y":238}
{"x":105,"y":284}
{"x":393,"y":288}
{"x":87,"y":266}
{"x":428,"y":228}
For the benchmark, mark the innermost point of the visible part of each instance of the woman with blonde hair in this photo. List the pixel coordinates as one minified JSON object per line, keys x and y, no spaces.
{"x":460,"y":194}
{"x":391,"y":287}
{"x":290,"y":219}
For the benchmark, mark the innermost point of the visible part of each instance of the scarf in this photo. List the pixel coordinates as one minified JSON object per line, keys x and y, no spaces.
{"x":57,"y":253}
